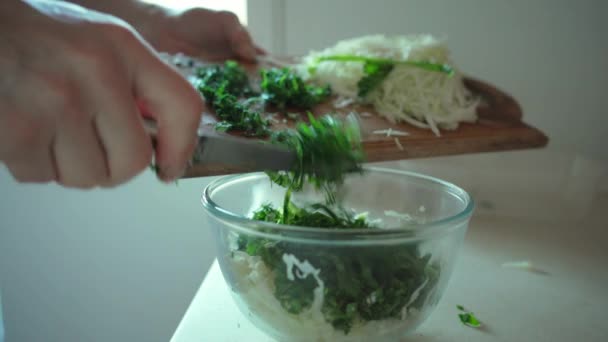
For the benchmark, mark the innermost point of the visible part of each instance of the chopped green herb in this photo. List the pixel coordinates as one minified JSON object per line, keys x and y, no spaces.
{"x":283,"y":88}
{"x":230,"y":75}
{"x":468,"y":318}
{"x":327,"y":148}
{"x":221,"y":86}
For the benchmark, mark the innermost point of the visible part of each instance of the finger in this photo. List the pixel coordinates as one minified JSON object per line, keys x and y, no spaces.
{"x":124,"y":142}
{"x":239,"y":39}
{"x":79,"y":154}
{"x":174,"y":104}
{"x":260,"y":51}
{"x":25,"y":147}
{"x":36,"y":167}
{"x":243,"y":46}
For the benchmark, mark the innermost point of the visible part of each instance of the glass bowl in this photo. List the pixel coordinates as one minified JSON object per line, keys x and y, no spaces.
{"x":319,"y":284}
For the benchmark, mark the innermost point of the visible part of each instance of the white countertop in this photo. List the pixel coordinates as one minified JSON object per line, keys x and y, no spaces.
{"x":547,"y":209}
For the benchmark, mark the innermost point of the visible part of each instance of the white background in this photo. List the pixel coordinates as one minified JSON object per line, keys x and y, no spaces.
{"x":122,"y":265}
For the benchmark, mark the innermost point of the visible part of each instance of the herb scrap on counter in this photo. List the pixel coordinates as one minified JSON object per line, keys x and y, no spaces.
{"x":377,"y":69}
{"x":468,"y":318}
{"x":221,"y":86}
{"x":283,"y":88}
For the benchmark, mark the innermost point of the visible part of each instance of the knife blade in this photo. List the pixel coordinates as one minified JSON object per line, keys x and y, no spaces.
{"x":218,"y":154}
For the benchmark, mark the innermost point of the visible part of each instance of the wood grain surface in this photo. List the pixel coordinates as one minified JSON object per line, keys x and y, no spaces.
{"x":500,"y":127}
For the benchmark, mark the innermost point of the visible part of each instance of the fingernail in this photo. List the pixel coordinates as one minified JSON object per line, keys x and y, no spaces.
{"x":170,"y":175}
{"x":164,"y":174}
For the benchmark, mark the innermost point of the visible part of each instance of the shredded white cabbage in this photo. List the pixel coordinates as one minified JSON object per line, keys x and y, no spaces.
{"x":391,"y":132}
{"x":342,"y":102}
{"x":398,"y":143}
{"x":422,"y":98}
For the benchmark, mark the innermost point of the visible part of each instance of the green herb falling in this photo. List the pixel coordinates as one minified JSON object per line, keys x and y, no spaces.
{"x":327,"y":149}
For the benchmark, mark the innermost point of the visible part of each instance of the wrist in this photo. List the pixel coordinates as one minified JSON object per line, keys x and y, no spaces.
{"x":150,"y":20}
{"x":144,"y":17}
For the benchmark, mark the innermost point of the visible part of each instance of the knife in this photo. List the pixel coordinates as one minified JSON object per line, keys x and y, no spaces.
{"x":221,"y":154}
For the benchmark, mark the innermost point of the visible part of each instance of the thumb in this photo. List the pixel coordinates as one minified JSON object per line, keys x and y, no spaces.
{"x":164,"y":95}
{"x":240,"y":41}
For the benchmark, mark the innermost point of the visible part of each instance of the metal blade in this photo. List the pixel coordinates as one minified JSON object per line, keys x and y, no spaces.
{"x":217,"y":154}
{"x":242,"y":153}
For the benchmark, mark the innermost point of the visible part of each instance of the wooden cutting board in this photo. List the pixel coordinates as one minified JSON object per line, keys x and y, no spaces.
{"x":500,"y":127}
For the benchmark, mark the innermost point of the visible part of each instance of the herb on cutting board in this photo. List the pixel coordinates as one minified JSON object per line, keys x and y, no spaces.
{"x":360,"y":284}
{"x":222,"y":86}
{"x":284,"y":88}
{"x":230,"y":75}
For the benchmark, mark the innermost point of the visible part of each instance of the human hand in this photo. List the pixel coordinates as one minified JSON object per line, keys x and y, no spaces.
{"x":70,"y":97}
{"x":209,"y":35}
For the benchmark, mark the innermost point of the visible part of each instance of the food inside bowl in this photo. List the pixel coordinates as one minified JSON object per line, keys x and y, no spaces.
{"x":343,"y":290}
{"x":329,"y":292}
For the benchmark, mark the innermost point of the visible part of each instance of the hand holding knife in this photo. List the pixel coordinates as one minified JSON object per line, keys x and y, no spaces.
{"x":220,"y":154}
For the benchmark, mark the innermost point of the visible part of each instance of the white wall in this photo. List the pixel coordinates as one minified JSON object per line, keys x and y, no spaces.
{"x":113,"y":265}
{"x":551,"y":55}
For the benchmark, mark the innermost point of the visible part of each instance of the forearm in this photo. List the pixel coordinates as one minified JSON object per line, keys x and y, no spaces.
{"x":139,"y":14}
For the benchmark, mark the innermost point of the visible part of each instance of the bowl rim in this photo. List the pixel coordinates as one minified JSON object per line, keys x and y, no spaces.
{"x":421,"y":231}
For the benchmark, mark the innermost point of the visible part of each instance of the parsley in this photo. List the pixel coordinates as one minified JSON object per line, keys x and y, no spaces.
{"x":327,"y":148}
{"x":283,"y":88}
{"x":468,"y":318}
{"x":222,"y":86}
{"x":231,"y":75}
{"x":377,"y":69}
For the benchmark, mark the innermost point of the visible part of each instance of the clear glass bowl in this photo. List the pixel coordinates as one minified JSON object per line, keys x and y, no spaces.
{"x":317,"y":284}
